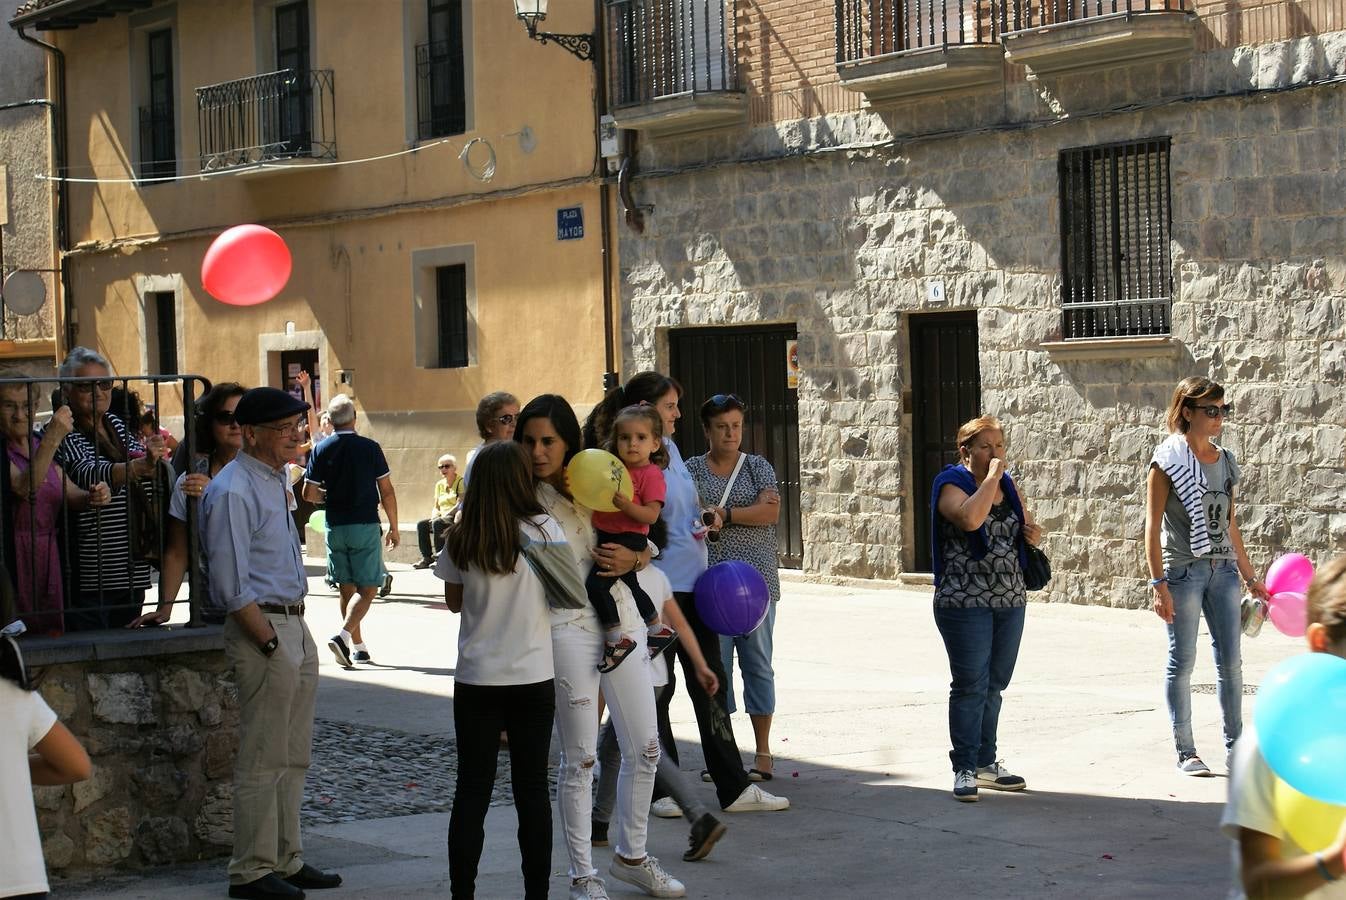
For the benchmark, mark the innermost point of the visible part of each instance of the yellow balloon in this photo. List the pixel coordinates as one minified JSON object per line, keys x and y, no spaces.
{"x":594,"y":476}
{"x":1312,"y":824}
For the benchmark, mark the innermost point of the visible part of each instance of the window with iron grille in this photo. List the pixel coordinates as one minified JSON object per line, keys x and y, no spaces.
{"x":158,"y":150}
{"x":1116,"y":224}
{"x":441,"y":86}
{"x":451,"y":305}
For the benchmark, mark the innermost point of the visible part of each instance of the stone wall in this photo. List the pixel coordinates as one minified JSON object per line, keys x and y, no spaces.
{"x":838,"y":223}
{"x":162,"y":731}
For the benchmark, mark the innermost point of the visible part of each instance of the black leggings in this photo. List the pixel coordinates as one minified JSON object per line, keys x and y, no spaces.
{"x":524,"y":712}
{"x":599,"y":586}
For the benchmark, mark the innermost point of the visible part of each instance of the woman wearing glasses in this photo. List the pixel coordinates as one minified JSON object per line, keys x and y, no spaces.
{"x":111,"y":585}
{"x":218,"y":440}
{"x":1196,"y":558}
{"x":496,"y":414}
{"x":741,"y":489}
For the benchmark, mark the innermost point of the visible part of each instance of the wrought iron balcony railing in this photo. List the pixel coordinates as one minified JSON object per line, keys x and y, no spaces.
{"x":158,"y":147}
{"x":279,"y":115}
{"x":664,"y":48}
{"x":1017,"y":15}
{"x":441,"y":94}
{"x":873,"y":28}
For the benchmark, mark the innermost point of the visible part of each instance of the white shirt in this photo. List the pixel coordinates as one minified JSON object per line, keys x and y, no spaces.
{"x":27,"y":719}
{"x":505,"y":633}
{"x":1252,"y":805}
{"x":574,"y":520}
{"x":656,"y":584}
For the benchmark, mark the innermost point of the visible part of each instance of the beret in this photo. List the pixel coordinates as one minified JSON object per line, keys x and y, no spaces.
{"x":267,"y":404}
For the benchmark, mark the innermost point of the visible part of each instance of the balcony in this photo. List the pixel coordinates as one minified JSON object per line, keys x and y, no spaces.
{"x":269,"y":122}
{"x":158,"y":152}
{"x":673,"y":67}
{"x":1057,"y":36}
{"x":894,"y":50}
{"x":441,"y":96}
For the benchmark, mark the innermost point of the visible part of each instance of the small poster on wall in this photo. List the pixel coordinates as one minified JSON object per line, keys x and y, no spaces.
{"x":792,"y":364}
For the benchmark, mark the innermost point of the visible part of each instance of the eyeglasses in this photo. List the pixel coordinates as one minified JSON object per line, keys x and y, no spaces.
{"x":1214,"y":411}
{"x":507,"y":419}
{"x":445,"y":466}
{"x":87,"y":387}
{"x":292,"y":427}
{"x":224,"y":417}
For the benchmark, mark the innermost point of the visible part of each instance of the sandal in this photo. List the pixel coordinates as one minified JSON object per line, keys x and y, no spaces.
{"x":614,"y":654}
{"x":758,"y":774}
{"x":661,"y":640}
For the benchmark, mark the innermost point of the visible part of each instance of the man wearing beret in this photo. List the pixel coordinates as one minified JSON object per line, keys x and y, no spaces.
{"x":256,"y":572}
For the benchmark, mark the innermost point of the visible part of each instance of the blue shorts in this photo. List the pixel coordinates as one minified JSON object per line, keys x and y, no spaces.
{"x":355,"y":554}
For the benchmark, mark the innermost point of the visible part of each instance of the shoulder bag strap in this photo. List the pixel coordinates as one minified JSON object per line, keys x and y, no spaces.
{"x":733,"y":476}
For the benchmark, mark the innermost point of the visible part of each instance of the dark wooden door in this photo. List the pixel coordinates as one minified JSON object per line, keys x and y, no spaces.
{"x":751,"y":363}
{"x":296,"y":104}
{"x":946,"y":392}
{"x":292,"y":362}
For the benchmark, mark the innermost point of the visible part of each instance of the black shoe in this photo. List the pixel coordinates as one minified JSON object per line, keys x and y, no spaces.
{"x":705,"y":832}
{"x":314,"y":879}
{"x":424,"y":563}
{"x":362,"y":656}
{"x":268,"y":887}
{"x":341,"y":651}
{"x":598,"y":835}
{"x":387,"y":586}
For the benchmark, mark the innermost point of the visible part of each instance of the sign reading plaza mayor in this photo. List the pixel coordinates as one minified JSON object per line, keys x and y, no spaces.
{"x":570,"y":223}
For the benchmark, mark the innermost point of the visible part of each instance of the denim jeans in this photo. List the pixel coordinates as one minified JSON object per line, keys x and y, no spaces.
{"x":983,"y":646}
{"x":1211,"y":588}
{"x":754,"y":659}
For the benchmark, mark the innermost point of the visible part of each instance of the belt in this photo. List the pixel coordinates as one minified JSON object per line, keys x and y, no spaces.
{"x":281,"y":609}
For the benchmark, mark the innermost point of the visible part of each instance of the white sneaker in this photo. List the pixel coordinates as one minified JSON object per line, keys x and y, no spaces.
{"x":965,"y":786}
{"x":666,"y":808}
{"x":754,"y":799}
{"x":649,"y":876}
{"x":591,"y":888}
{"x":998,"y":778}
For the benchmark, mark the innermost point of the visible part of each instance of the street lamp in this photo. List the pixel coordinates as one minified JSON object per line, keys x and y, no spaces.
{"x":532,"y":12}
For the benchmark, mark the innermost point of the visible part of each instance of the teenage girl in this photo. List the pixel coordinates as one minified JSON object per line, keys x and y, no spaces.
{"x":503,"y":680}
{"x":637,"y":440}
{"x":34,"y":749}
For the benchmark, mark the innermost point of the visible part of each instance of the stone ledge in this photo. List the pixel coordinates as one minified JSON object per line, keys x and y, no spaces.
{"x":685,"y":113}
{"x":1111,"y":348}
{"x":1098,"y":41}
{"x":85,"y":646}
{"x":914,"y":73}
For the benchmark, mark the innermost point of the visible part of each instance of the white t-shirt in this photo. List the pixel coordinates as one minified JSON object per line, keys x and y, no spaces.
{"x":655,"y":583}
{"x":505,"y":633}
{"x":1252,"y":805}
{"x":27,"y":719}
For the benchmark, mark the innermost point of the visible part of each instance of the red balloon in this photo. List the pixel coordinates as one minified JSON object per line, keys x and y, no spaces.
{"x":246,"y":265}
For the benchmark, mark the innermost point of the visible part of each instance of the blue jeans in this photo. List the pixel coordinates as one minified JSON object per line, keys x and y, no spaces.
{"x":983,"y":646}
{"x":1211,"y":588}
{"x":754,"y":658}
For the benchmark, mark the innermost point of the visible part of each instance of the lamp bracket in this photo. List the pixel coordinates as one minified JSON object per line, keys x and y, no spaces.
{"x":580,"y":45}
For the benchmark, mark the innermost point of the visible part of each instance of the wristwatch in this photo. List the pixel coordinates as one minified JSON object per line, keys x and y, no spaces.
{"x":728,"y":515}
{"x":270,"y":646}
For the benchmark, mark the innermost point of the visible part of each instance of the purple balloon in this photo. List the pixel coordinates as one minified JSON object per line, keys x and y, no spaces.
{"x":732,"y":598}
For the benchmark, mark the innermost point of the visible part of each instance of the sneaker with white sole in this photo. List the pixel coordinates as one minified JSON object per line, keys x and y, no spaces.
{"x":591,"y":888}
{"x":1192,"y":765}
{"x":998,"y":778}
{"x":965,"y":786}
{"x":647,"y":875}
{"x":666,"y":808}
{"x":342,"y":653}
{"x":754,"y":799}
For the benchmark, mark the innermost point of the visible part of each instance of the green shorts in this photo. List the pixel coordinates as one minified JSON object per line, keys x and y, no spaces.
{"x":355,"y":554}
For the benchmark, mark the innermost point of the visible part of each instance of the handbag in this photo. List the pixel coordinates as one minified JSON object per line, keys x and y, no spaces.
{"x":1038,"y":571}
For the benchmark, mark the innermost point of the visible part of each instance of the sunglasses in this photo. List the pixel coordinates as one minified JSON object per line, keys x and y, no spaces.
{"x":1213,"y":411}
{"x":224,"y":417}
{"x":445,"y":466}
{"x":723,"y":400}
{"x":87,"y":387}
{"x":507,"y":419}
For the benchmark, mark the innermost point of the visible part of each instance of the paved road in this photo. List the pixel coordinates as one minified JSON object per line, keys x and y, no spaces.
{"x":861,"y":745}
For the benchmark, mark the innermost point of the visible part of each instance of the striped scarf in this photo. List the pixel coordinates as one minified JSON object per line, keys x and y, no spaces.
{"x":1175,"y":458}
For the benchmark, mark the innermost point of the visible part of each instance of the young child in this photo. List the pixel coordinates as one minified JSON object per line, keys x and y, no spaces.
{"x":503,"y":679}
{"x":637,"y":440}
{"x":1267,"y":862}
{"x":34,"y":749}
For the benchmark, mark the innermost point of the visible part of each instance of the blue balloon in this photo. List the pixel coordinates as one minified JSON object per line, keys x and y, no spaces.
{"x":732,"y":598}
{"x":1301,"y":724}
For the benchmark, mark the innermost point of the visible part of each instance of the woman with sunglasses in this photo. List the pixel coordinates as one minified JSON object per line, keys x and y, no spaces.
{"x":496,"y":414}
{"x":741,"y":490}
{"x":218,"y":440}
{"x":1197,"y":562}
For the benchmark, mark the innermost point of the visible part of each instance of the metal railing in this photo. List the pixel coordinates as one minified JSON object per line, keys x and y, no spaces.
{"x":1017,"y":15}
{"x":69,"y":565}
{"x":662,"y":48}
{"x":279,"y":115}
{"x":1116,"y":225}
{"x":872,"y":28}
{"x":441,"y":94}
{"x":158,"y":150}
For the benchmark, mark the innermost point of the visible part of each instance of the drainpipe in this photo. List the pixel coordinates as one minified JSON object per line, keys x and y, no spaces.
{"x":58,"y":130}
{"x":610,"y":376}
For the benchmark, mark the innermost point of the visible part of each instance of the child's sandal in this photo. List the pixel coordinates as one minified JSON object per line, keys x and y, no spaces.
{"x":661,"y":640}
{"x":614,"y":654}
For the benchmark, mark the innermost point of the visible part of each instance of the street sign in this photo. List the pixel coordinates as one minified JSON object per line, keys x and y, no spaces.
{"x":570,"y":223}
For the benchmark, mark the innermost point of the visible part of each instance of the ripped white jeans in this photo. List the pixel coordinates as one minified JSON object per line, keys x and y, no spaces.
{"x":576,"y":652}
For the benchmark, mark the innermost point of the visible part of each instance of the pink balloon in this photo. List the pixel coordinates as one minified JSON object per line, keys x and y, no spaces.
{"x":246,"y":265}
{"x":1290,"y":573}
{"x":1289,"y":613}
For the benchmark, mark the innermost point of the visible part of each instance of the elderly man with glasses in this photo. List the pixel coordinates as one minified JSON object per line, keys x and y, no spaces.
{"x":448,"y":493}
{"x":256,"y":572}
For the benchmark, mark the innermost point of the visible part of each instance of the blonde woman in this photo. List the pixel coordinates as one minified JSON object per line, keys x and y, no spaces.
{"x":1196,"y":558}
{"x":978,"y":532}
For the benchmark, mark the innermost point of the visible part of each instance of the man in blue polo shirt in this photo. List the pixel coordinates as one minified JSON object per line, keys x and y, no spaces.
{"x":350,"y":473}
